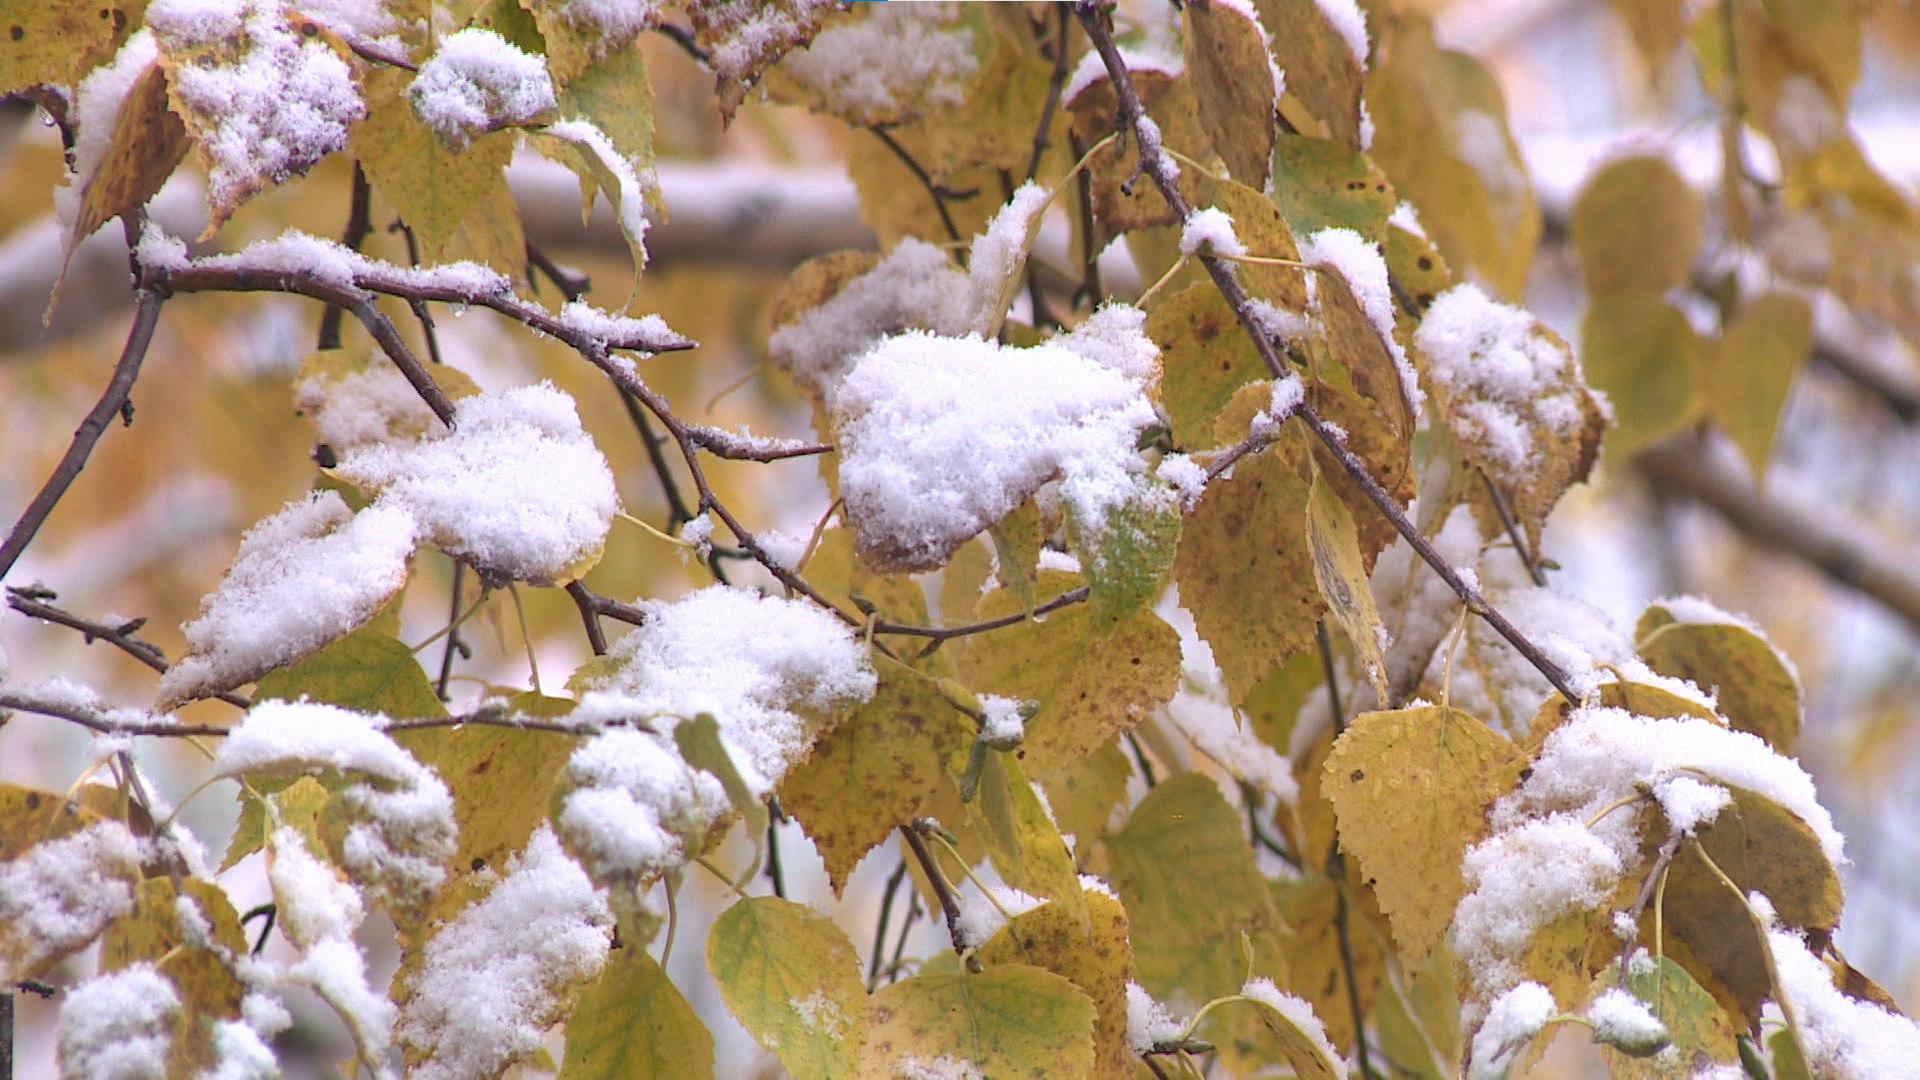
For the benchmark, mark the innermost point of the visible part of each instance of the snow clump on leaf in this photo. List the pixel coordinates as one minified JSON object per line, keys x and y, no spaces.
{"x":119,"y":1025}
{"x":478,"y":82}
{"x":517,"y":488}
{"x":940,"y":437}
{"x":768,"y":670}
{"x":302,"y":578}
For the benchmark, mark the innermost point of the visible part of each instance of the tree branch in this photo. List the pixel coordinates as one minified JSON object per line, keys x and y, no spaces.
{"x":118,"y":721}
{"x":32,"y":603}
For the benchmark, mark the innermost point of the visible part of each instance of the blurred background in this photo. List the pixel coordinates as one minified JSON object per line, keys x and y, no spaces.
{"x":1824,"y":556}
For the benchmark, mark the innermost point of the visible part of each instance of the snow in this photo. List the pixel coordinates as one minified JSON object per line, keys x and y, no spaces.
{"x":1515,"y":1018}
{"x":1406,"y":217}
{"x":982,"y":913}
{"x":517,"y":488}
{"x":868,"y":71}
{"x":821,"y":1014}
{"x":999,"y":253}
{"x":613,"y":22}
{"x":1365,"y":271}
{"x":1699,"y":611}
{"x":1200,"y":709}
{"x":1505,"y":689}
{"x":1350,"y":24}
{"x":936,"y":1068}
{"x":1148,"y":1021}
{"x":915,"y":286}
{"x":1282,"y":326}
{"x":477,"y":82}
{"x":622,"y":331}
{"x":1505,"y":375}
{"x":1543,"y":860}
{"x":1689,"y":804}
{"x":1843,"y":1037}
{"x":240,"y":1054}
{"x":1185,"y":476}
{"x":283,"y":105}
{"x":627,"y":196}
{"x":303,"y":577}
{"x":1297,"y":1012}
{"x":767,"y":669}
{"x":1622,"y":1020}
{"x":315,"y":904}
{"x":336,"y":970}
{"x":492,"y":980}
{"x":374,"y":404}
{"x":1210,"y":232}
{"x":1006,"y":721}
{"x":941,"y":437}
{"x":697,"y":534}
{"x":1091,"y":69}
{"x":403,"y":829}
{"x":119,"y":1026}
{"x":60,"y":894}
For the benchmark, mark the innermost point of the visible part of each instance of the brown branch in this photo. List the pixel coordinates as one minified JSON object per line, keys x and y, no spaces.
{"x":945,"y":633}
{"x":949,"y":905}
{"x":1840,"y":549}
{"x":1160,"y":168}
{"x":105,"y":722}
{"x":32,"y":603}
{"x":359,"y":224}
{"x":116,"y":400}
{"x":935,"y":191}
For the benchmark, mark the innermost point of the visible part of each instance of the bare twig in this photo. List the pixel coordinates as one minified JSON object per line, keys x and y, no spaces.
{"x":359,"y":224}
{"x":949,"y":904}
{"x":124,"y":637}
{"x":944,"y":633}
{"x":934,"y":191}
{"x":122,"y":722}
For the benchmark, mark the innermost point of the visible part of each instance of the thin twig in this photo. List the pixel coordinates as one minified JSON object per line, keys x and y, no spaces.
{"x":117,"y":722}
{"x":573,"y":286}
{"x":880,"y":926}
{"x":454,"y":644}
{"x":33,"y":603}
{"x":589,"y":615}
{"x":359,"y":224}
{"x":113,"y":402}
{"x":1527,"y":557}
{"x":683,"y":37}
{"x":934,"y":190}
{"x":949,"y":904}
{"x":945,"y":633}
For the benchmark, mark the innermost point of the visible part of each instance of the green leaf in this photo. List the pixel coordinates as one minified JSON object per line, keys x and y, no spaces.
{"x":1697,"y":1028}
{"x":1181,"y":835}
{"x":1233,"y":85}
{"x":1749,"y":373}
{"x":1092,"y":950}
{"x":1341,"y":572}
{"x":1323,"y":185}
{"x":1637,"y":228}
{"x":1012,"y":1020}
{"x":365,"y":671}
{"x":1643,"y":353}
{"x":1205,"y":357}
{"x":1128,"y":559}
{"x":1092,"y":676}
{"x":792,"y":979}
{"x":633,"y":1022}
{"x":893,"y":751}
{"x":297,"y":802}
{"x":699,"y":743}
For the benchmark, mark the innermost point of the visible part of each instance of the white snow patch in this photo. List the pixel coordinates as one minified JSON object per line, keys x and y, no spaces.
{"x":493,"y":979}
{"x":119,"y":1026}
{"x":303,"y":577}
{"x":60,"y":894}
{"x":982,"y":913}
{"x":1006,"y":722}
{"x":1620,"y":1019}
{"x":1514,"y":1019}
{"x":1360,"y":264}
{"x":371,"y":405}
{"x":1843,"y":1037}
{"x":915,"y":287}
{"x":1210,"y":232}
{"x":1299,"y":1013}
{"x":877,"y":69}
{"x":1092,"y":69}
{"x":1350,"y":24}
{"x":1000,"y":253}
{"x":1148,"y":1021}
{"x":477,"y":82}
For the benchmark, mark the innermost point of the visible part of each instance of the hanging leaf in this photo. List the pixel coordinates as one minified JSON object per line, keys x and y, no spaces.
{"x":1637,"y":228}
{"x":1753,"y":685}
{"x":1012,"y":1020}
{"x":432,"y":187}
{"x":1323,"y":72}
{"x":1233,"y":84}
{"x":792,"y":979}
{"x":1094,"y":955}
{"x":632,"y":1021}
{"x":1025,"y":845}
{"x":1697,"y":1029}
{"x":1748,"y":375}
{"x":366,"y":671}
{"x":1644,"y":354}
{"x":1341,"y":572}
{"x":147,"y":144}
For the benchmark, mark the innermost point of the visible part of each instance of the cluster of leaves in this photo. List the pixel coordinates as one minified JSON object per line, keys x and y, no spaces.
{"x":1303,"y":894}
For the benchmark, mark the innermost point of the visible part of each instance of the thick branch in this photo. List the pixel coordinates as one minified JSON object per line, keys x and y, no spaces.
{"x":113,"y":402}
{"x":1838,"y":548}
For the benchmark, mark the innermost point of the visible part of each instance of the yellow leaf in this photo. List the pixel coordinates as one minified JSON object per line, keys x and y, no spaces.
{"x":1321,"y":69}
{"x":1012,"y":1020}
{"x":1096,"y":957}
{"x":1262,"y":228}
{"x":1205,"y":357}
{"x":1243,"y":566}
{"x":1656,"y":26}
{"x":1307,"y":1054}
{"x":1643,"y":353}
{"x":492,"y":233}
{"x":1751,"y":370}
{"x":147,"y":144}
{"x":1233,"y":86}
{"x":1092,"y":677}
{"x":632,"y":1022}
{"x":1184,"y":833}
{"x":1637,"y":228}
{"x":208,"y":987}
{"x":29,"y":819}
{"x":792,"y":979}
{"x":1418,"y":1016}
{"x":1083,"y":793}
{"x":432,"y":187}
{"x":365,"y":670}
{"x":1315,"y":963}
{"x":1441,"y":134}
{"x":1410,"y":791}
{"x":1342,"y":575}
{"x":1755,"y":689}
{"x":892,"y":751}
{"x":57,"y":42}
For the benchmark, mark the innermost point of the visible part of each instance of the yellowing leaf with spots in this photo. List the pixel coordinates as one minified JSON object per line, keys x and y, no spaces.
{"x":1233,"y":85}
{"x":1183,"y":836}
{"x":432,"y":187}
{"x":1205,"y":356}
{"x":1260,"y":226}
{"x":1243,"y":566}
{"x":203,"y":978}
{"x":56,"y":42}
{"x":366,"y":670}
{"x":1637,"y":228}
{"x":1320,"y":184}
{"x":1094,"y":954}
{"x":1093,"y":677}
{"x":1341,"y":571}
{"x":146,"y":145}
{"x":1410,"y":791}
{"x":1013,"y":1020}
{"x":892,"y":751}
{"x":632,"y":1021}
{"x":1753,"y":684}
{"x":1122,"y":199}
{"x":791,"y":978}
{"x":1322,"y":72}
